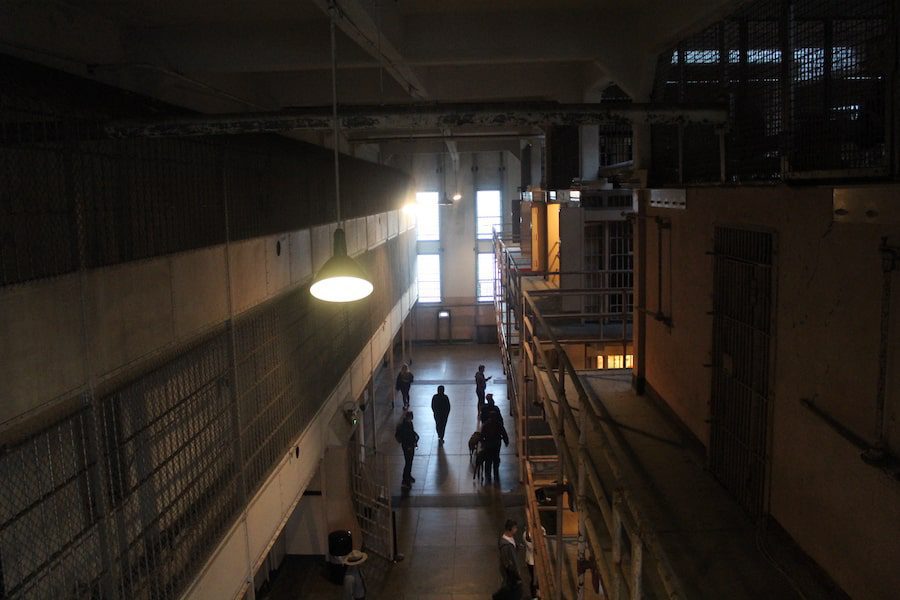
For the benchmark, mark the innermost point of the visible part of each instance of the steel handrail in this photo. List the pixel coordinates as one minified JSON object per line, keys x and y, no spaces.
{"x":632,"y":520}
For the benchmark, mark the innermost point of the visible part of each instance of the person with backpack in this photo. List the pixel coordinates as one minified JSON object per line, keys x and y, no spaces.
{"x":440,"y":406}
{"x":404,"y":381}
{"x":492,"y":434}
{"x":408,"y":439}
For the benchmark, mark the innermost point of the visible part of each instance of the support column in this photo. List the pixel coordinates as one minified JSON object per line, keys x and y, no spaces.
{"x":589,"y":141}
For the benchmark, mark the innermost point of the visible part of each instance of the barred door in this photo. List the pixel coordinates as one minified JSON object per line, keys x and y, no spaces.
{"x":743,"y":291}
{"x":370,"y":485}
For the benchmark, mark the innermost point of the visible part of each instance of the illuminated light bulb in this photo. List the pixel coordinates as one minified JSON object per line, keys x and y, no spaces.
{"x":341,"y":279}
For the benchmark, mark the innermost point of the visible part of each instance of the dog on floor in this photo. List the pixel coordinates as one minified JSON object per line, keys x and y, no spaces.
{"x":480,"y":456}
{"x":474,"y":440}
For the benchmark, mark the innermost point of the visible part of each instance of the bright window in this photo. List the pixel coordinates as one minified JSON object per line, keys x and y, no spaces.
{"x":428,"y":271}
{"x":488,"y":212}
{"x":616,"y":361}
{"x":428,"y":221}
{"x":486,"y":267}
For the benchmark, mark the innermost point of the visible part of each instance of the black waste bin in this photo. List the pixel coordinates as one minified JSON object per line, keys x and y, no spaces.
{"x":340,"y":544}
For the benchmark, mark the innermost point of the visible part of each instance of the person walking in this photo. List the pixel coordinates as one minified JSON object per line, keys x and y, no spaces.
{"x":404,"y":380}
{"x":489,"y":408}
{"x":406,"y":435}
{"x":492,"y":435}
{"x":511,"y":586}
{"x":354,"y":582}
{"x":480,"y":386}
{"x":440,"y":406}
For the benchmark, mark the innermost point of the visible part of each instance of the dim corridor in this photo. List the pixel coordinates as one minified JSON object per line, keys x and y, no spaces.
{"x":447,"y":523}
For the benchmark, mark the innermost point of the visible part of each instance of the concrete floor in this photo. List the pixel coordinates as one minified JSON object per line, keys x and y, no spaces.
{"x":447,"y":524}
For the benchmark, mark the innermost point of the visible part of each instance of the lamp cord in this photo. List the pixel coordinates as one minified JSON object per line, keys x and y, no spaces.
{"x":334,"y":114}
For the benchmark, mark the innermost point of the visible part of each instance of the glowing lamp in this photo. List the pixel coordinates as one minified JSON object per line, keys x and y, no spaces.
{"x":341,"y":279}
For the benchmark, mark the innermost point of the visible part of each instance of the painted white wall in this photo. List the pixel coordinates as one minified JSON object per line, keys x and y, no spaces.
{"x":458,"y":247}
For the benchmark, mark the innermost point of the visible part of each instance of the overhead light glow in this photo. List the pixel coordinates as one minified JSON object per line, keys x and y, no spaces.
{"x":457,"y":197}
{"x":341,"y":279}
{"x":410,"y":208}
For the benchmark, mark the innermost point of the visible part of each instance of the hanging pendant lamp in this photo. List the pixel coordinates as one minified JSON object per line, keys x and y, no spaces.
{"x":341,"y":279}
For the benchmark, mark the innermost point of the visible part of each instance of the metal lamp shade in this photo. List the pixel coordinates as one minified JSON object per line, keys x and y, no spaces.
{"x":341,"y":279}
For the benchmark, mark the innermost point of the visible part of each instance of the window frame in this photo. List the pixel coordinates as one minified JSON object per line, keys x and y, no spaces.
{"x":498,"y":218}
{"x":479,"y":279}
{"x":430,"y":299}
{"x":432,"y":203}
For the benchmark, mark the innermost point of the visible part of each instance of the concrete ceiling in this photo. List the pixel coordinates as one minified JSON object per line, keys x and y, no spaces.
{"x":251,"y":55}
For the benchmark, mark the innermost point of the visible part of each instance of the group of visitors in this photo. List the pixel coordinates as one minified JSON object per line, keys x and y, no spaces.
{"x":490,"y":437}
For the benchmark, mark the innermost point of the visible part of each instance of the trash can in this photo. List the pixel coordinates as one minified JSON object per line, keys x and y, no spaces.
{"x":340,"y":544}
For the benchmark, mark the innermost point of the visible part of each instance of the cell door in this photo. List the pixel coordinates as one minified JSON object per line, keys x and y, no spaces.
{"x":743,"y":294}
{"x":370,"y":485}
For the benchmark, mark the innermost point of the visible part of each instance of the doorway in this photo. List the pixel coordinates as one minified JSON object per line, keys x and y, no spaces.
{"x":743,"y":294}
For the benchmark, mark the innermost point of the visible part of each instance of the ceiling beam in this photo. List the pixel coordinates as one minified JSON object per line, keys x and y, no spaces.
{"x":355,"y":21}
{"x":420,"y":116}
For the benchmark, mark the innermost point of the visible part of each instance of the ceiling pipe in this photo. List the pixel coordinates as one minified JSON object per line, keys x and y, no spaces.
{"x":421,"y":116}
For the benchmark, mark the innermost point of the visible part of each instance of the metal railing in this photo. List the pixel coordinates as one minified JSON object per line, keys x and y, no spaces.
{"x":637,"y":566}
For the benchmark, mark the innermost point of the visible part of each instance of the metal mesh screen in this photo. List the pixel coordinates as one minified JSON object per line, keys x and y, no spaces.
{"x":172,"y":468}
{"x":66,"y":188}
{"x":806,"y":82}
{"x":841,"y":57}
{"x":140,"y":521}
{"x":50,"y":543}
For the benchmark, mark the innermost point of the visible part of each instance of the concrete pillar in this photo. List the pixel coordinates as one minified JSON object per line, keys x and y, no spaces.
{"x":640,"y":145}
{"x":589,"y":141}
{"x":537,"y":163}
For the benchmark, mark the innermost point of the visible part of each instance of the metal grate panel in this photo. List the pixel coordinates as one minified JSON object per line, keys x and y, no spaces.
{"x":172,"y":469}
{"x":806,"y":82}
{"x":72,"y":197}
{"x":50,"y":546}
{"x":169,"y":481}
{"x":743,"y":292}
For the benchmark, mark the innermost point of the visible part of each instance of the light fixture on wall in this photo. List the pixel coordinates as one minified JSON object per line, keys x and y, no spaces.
{"x":341,"y":279}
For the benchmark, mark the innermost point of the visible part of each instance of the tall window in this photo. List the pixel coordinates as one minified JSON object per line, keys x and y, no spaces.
{"x":486,"y":266}
{"x":488,"y":213}
{"x":428,"y":221}
{"x":428,"y":270}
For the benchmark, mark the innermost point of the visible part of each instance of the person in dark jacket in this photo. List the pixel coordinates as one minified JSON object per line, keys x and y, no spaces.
{"x":404,"y":380}
{"x":440,"y":406}
{"x":480,"y":386}
{"x":511,"y":587}
{"x":489,"y":408}
{"x":492,"y":435}
{"x":406,"y":435}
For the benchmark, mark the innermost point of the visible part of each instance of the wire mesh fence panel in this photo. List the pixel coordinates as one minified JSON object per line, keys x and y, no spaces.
{"x":806,"y":84}
{"x":68,"y":186}
{"x":37,"y":219}
{"x":841,"y":54}
{"x":172,"y":469}
{"x":50,"y":544}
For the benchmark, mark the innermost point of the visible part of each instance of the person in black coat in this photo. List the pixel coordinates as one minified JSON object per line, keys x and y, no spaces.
{"x":492,"y":435}
{"x":404,"y":381}
{"x":440,"y":406}
{"x":490,"y":408}
{"x":406,"y":435}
